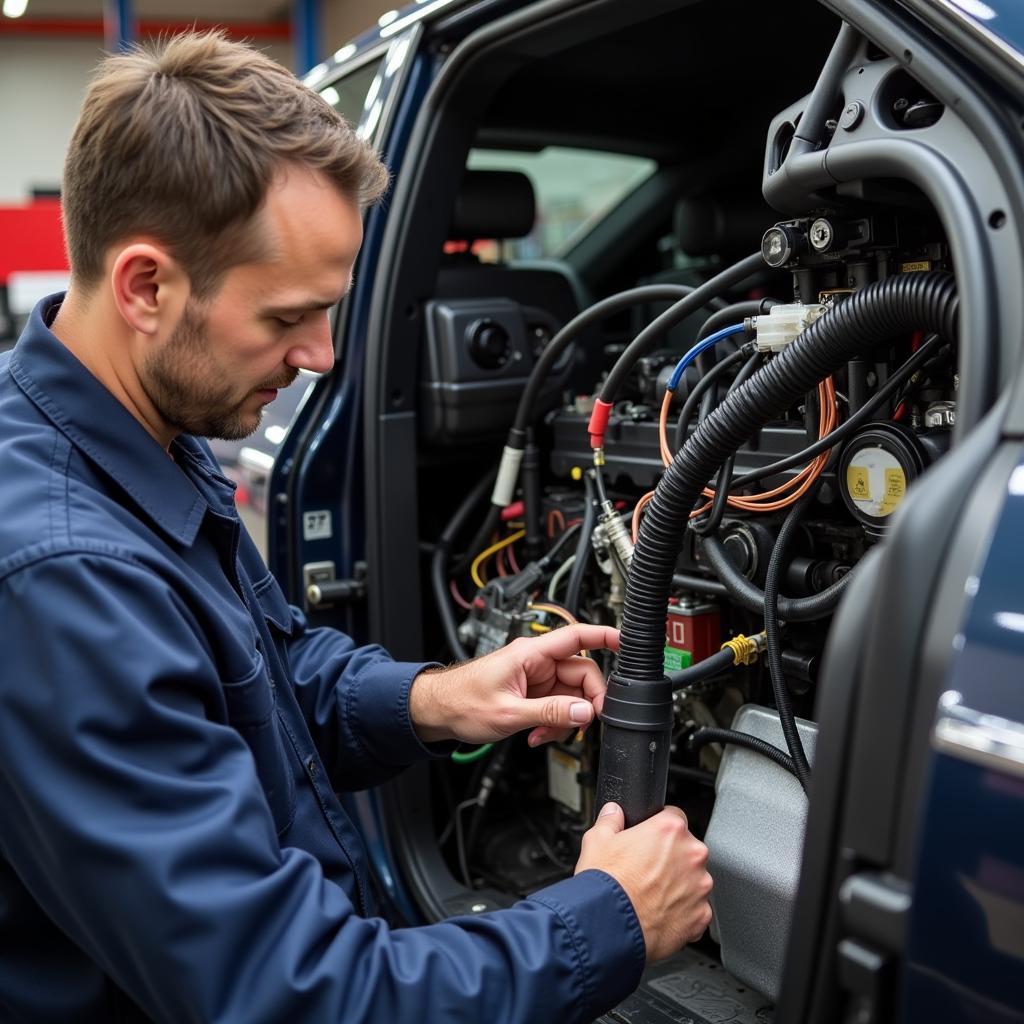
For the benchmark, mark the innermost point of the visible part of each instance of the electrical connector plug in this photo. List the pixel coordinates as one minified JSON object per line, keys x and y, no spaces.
{"x":784,"y":324}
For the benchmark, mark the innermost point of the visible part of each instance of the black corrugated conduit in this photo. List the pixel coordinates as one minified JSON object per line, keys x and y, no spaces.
{"x":639,"y":698}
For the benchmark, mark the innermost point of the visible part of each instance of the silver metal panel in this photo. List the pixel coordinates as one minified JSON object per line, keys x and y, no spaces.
{"x":756,"y":838}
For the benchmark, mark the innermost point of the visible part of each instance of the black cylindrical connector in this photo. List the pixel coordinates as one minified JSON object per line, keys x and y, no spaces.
{"x":636,"y":737}
{"x":530,"y":475}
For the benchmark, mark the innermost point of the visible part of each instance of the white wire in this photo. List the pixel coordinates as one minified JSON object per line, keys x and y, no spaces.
{"x":560,"y":574}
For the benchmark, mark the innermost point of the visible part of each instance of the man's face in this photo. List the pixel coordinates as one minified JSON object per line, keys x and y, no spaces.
{"x":229,"y":355}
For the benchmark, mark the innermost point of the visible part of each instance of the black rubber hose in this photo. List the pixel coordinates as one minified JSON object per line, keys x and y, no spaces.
{"x":561,"y":341}
{"x":655,"y":330}
{"x":862,"y":415}
{"x":713,"y":520}
{"x":697,"y":583}
{"x":750,"y":596}
{"x":584,"y":549}
{"x":718,"y":662}
{"x":709,"y":734}
{"x":438,"y":564}
{"x":556,"y":549}
{"x":482,"y":537}
{"x":773,"y":632}
{"x":701,"y":388}
{"x":877,"y":313}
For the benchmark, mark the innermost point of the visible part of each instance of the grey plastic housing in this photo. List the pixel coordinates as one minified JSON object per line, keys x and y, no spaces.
{"x":755,"y":839}
{"x":460,"y":398}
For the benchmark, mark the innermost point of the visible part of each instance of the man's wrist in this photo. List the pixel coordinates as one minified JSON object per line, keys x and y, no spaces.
{"x":429,"y":722}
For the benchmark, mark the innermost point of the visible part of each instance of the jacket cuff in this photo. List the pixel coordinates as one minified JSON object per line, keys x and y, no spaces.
{"x":381,"y":711}
{"x":605,"y":933}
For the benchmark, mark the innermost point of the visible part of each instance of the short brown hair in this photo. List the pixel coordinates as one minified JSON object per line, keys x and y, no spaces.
{"x":181,"y":142}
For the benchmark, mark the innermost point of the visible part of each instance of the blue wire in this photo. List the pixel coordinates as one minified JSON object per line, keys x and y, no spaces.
{"x":701,"y":346}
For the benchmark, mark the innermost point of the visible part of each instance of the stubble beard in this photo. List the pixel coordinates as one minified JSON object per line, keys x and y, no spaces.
{"x":180,"y":382}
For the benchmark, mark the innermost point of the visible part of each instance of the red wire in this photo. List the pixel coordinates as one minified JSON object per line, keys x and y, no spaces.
{"x":458,"y":598}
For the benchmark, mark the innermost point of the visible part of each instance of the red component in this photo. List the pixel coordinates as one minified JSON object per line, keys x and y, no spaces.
{"x":599,"y":422}
{"x":513,"y":511}
{"x":32,"y":238}
{"x":694,"y":628}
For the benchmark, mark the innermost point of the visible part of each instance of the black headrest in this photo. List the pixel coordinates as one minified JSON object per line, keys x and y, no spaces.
{"x":493,"y":204}
{"x":723,"y":223}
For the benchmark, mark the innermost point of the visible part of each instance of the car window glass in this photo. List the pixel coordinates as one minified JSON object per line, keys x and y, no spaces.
{"x":574,"y":189}
{"x":348,"y":94}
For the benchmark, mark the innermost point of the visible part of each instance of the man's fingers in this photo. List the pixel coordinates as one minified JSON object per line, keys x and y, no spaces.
{"x":558,"y":714}
{"x":581,"y":674}
{"x":569,"y":640}
{"x":610,"y":819}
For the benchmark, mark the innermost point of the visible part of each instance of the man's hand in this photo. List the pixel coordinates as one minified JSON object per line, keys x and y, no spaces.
{"x":539,"y":682}
{"x":663,"y":869}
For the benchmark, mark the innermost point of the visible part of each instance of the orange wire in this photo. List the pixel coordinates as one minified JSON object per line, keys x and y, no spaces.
{"x":640,"y":505}
{"x":798,"y":484}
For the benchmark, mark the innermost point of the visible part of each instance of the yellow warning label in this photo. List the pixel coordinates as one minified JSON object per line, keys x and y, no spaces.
{"x":915,"y":265}
{"x":857,"y":483}
{"x":895,"y":489}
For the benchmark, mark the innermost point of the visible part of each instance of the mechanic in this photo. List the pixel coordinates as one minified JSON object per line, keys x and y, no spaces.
{"x":172,"y":732}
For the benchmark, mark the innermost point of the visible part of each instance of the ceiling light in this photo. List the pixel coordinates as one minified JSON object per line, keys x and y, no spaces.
{"x":15,"y":8}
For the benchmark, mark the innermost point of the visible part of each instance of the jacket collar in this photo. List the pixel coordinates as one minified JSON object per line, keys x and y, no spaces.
{"x":107,"y":433}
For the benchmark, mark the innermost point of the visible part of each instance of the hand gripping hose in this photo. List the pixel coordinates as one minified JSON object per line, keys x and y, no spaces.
{"x":637,"y":713}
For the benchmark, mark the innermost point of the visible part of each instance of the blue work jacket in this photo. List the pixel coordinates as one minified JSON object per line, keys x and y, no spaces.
{"x":172,"y":734}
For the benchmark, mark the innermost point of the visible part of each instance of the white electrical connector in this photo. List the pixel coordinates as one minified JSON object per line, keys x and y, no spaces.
{"x":508,"y":473}
{"x":783,"y":324}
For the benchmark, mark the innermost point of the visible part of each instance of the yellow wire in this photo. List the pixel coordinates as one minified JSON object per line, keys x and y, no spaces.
{"x":474,"y":569}
{"x":554,"y":609}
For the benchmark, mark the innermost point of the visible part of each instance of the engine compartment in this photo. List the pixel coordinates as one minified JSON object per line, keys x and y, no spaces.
{"x":604,"y":412}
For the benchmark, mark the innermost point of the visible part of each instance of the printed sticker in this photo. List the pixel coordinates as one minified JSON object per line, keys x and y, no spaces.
{"x":316,"y":525}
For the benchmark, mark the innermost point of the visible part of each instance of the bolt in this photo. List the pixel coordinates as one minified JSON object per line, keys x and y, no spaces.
{"x":821,"y":235}
{"x":901,"y":104}
{"x":653,"y":747}
{"x":851,"y":116}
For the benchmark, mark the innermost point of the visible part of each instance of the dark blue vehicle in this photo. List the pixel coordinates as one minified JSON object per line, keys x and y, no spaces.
{"x":827,"y":201}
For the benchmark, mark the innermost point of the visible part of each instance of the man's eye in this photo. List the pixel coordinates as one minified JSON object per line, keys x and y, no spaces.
{"x":288,"y":323}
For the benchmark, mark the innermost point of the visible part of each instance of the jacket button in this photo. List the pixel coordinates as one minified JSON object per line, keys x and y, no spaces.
{"x":313,"y":768}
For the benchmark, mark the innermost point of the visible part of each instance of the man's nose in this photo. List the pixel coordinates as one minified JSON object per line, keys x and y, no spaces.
{"x":314,"y":348}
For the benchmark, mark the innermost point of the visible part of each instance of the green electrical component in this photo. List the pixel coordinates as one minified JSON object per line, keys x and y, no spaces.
{"x":469,"y":756}
{"x":676,"y":660}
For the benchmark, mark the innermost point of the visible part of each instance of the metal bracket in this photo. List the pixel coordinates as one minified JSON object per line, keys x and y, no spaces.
{"x":323,"y":590}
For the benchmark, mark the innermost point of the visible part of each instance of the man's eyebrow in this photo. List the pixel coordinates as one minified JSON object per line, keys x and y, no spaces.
{"x":312,"y":306}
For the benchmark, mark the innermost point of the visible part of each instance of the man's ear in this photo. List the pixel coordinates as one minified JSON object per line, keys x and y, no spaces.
{"x":149,"y":287}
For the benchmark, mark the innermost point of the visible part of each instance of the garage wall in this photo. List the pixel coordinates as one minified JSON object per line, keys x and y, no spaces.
{"x":42,"y":81}
{"x":41,"y":85}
